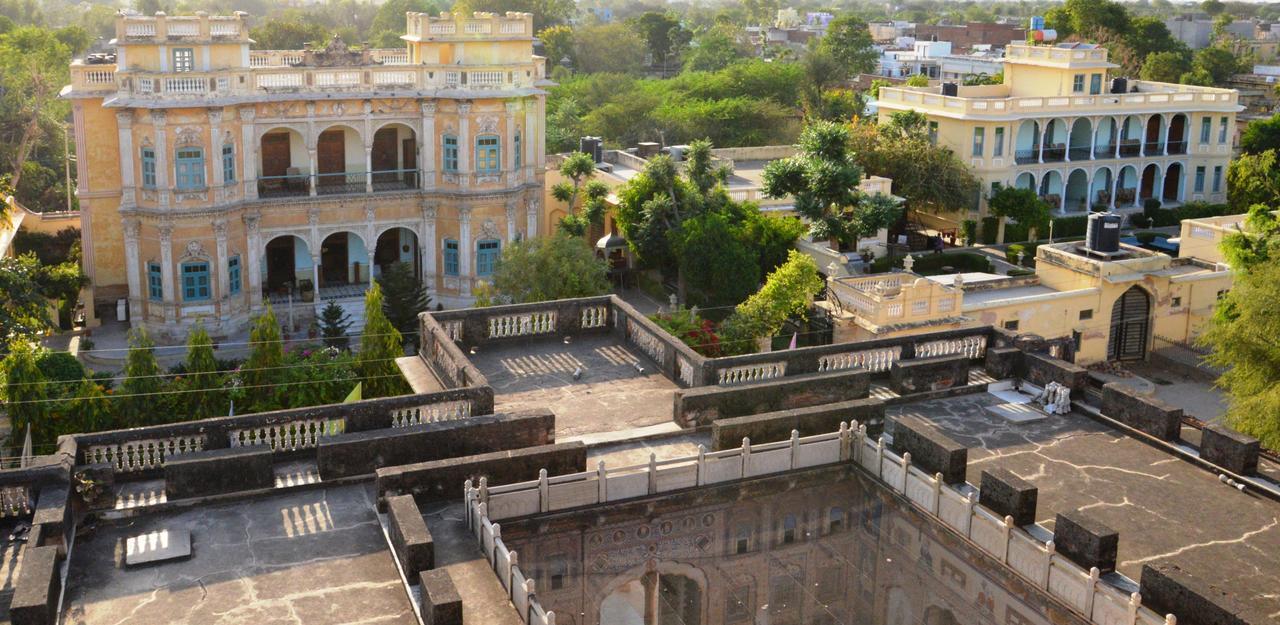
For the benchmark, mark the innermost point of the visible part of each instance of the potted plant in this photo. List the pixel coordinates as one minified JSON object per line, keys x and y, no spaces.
{"x":308,"y":290}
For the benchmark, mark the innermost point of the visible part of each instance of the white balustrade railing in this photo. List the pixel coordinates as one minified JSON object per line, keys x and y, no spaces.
{"x":443,"y":28}
{"x":478,"y":28}
{"x":1035,"y":561}
{"x":99,"y":77}
{"x":337,"y":79}
{"x":452,"y":329}
{"x":875,"y":360}
{"x":176,"y":28}
{"x":505,"y":564}
{"x":485,"y":79}
{"x":746,"y":374}
{"x":15,"y":501}
{"x":288,"y":436}
{"x":140,"y":29}
{"x":186,"y":85}
{"x":393,"y":57}
{"x":684,"y":371}
{"x":431,"y":413}
{"x":522,"y":324}
{"x":290,"y":80}
{"x":595,"y":316}
{"x":146,"y":85}
{"x":224,"y":28}
{"x":140,"y":455}
{"x":642,"y":338}
{"x":394,"y":78}
{"x":511,"y":28}
{"x":970,"y":346}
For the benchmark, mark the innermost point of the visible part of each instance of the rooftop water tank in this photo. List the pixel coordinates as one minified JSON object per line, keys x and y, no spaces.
{"x":1103,"y":233}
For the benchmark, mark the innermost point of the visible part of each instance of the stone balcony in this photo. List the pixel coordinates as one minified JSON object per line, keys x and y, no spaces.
{"x":198,"y":28}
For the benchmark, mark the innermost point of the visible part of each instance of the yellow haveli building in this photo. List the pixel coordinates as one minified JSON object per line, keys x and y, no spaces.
{"x":1060,"y":124}
{"x":214,"y":178}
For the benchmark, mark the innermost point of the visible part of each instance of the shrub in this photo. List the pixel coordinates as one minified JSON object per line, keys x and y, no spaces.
{"x":1013,"y":251}
{"x":990,"y":226}
{"x":969,"y":231}
{"x":1014,"y":273}
{"x":1070,"y":227}
{"x":932,"y":264}
{"x":1146,"y":236}
{"x":696,"y":332}
{"x":1015,"y":232}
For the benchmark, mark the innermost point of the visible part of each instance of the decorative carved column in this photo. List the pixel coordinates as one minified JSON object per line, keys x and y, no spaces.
{"x":1093,"y":137}
{"x":315,"y":273}
{"x":465,"y":249}
{"x":214,"y":154}
{"x":511,"y":220}
{"x":1119,"y":128}
{"x":128,"y":187}
{"x":428,"y":245}
{"x":509,"y":145}
{"x":253,"y":265}
{"x":427,"y":142}
{"x":162,"y":159}
{"x":531,"y":216}
{"x":1115,"y":188}
{"x":249,"y":155}
{"x":167,"y":274}
{"x":133,"y":269}
{"x":311,"y":160}
{"x":368,"y":149}
{"x":314,"y":243}
{"x":464,"y":145}
{"x":530,"y":140}
{"x":219,"y":268}
{"x":1043,"y":131}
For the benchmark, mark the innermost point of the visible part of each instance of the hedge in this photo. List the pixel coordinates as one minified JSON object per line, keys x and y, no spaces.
{"x":932,"y":264}
{"x":1017,"y":233}
{"x":990,"y":226}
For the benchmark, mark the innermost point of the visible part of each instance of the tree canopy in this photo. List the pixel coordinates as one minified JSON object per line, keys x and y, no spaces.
{"x":848,"y":41}
{"x":1245,"y":347}
{"x":1261,"y":135}
{"x":548,"y":268}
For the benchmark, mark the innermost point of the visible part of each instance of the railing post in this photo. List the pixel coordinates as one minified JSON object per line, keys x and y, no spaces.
{"x":937,"y":493}
{"x":795,"y":447}
{"x":468,"y":499}
{"x":484,"y":490}
{"x":844,"y":441}
{"x":970,"y":502}
{"x":493,"y":553}
{"x":1006,"y":529}
{"x":702,"y":465}
{"x":529,"y":593}
{"x":602,"y":483}
{"x":653,"y":473}
{"x":746,"y":456}
{"x":1094,"y":574}
{"x":544,"y":500}
{"x":510,"y":573}
{"x":880,"y":457}
{"x":1051,"y":549}
{"x":1135,"y":602}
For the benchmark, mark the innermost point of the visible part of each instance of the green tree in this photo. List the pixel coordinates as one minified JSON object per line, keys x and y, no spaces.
{"x":823,"y":180}
{"x":975,"y":80}
{"x":1244,"y":346}
{"x":380,"y":346}
{"x":26,"y":393}
{"x":264,"y":369}
{"x":564,"y":125}
{"x":33,"y":67}
{"x":931,"y":178}
{"x":1164,"y":67}
{"x":577,"y":169}
{"x":663,"y":35}
{"x":608,"y":48}
{"x":714,"y":49}
{"x":549,"y":268}
{"x":88,"y":410}
{"x":334,"y":322}
{"x":1253,"y":179}
{"x":1023,"y":206}
{"x":1257,"y":243}
{"x":787,"y":293}
{"x":848,"y":41}
{"x":24,"y":311}
{"x":545,"y":12}
{"x":389,"y":22}
{"x":404,"y":298}
{"x":202,"y":382}
{"x":1218,"y":63}
{"x":772,"y":236}
{"x":1213,"y":7}
{"x":288,"y":31}
{"x":141,"y":400}
{"x":918,"y":80}
{"x":719,"y":267}
{"x":557,"y":42}
{"x":1261,"y":135}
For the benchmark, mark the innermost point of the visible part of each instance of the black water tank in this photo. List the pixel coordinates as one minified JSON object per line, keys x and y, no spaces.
{"x":950,"y":89}
{"x":1119,"y":85}
{"x":1103,"y":233}
{"x":593,"y":146}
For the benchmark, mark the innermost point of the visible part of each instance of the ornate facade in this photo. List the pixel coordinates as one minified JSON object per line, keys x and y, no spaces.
{"x":214,"y":178}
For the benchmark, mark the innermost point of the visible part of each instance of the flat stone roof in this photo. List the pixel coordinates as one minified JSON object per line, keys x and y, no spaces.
{"x":609,"y":395}
{"x":313,"y":557}
{"x":1163,"y":507}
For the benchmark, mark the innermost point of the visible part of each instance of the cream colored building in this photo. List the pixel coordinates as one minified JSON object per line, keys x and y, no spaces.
{"x":214,"y":178}
{"x":1106,"y":308}
{"x":1060,"y":125}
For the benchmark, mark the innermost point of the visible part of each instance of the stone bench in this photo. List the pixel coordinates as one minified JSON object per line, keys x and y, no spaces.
{"x":413,"y":544}
{"x":218,"y":471}
{"x":777,"y":426}
{"x":363,"y":453}
{"x":1140,"y":412}
{"x":441,"y":603}
{"x":35,"y":596}
{"x":1229,"y":449}
{"x":443,"y":479}
{"x":918,"y":375}
{"x":930,"y":449}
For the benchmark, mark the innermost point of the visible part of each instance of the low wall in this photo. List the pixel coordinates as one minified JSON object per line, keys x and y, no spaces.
{"x":410,"y":539}
{"x":1168,"y":587}
{"x":515,"y":322}
{"x":1229,"y":449}
{"x":1041,"y":369}
{"x":141,"y":452}
{"x":38,"y":589}
{"x":443,"y":479}
{"x":929,"y":374}
{"x":362,"y":453}
{"x":218,"y":471}
{"x":1140,"y":412}
{"x":704,"y":405}
{"x":777,"y":426}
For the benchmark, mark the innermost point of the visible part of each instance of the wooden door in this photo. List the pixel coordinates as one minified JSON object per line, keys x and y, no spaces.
{"x":384,"y":150}
{"x":331,"y":157}
{"x":1130,"y":326}
{"x":275,"y":154}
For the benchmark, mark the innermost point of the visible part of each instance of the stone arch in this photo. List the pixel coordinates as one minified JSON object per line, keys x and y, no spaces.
{"x":344,"y":258}
{"x":1075,"y":195}
{"x":1080,"y":139}
{"x":1025,"y":180}
{"x":1174,"y":180}
{"x":286,"y":260}
{"x":1100,"y":188}
{"x":626,"y":583}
